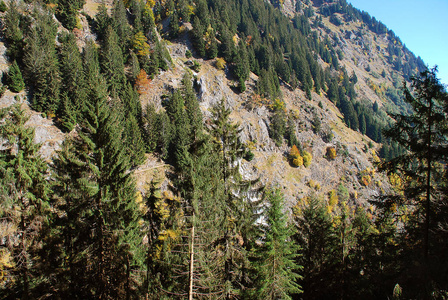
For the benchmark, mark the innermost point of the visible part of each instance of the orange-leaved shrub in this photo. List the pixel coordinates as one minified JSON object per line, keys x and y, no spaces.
{"x":295,"y":157}
{"x":142,"y":82}
{"x":331,"y":153}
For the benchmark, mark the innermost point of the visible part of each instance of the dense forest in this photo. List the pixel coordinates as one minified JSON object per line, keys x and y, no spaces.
{"x":76,"y":227}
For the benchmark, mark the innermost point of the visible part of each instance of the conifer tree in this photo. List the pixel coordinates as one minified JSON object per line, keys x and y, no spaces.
{"x":242,"y":67}
{"x":423,"y":135}
{"x":91,"y":64}
{"x":239,"y":208}
{"x":13,"y":32}
{"x":103,"y":20}
{"x":112,"y":66}
{"x":198,"y":36}
{"x":15,"y":79}
{"x":121,"y":25}
{"x":67,"y":12}
{"x":103,"y":254}
{"x":276,"y":266}
{"x":72,"y":80}
{"x":278,"y":125}
{"x":291,"y":133}
{"x":193,"y":111}
{"x":41,"y":63}
{"x":317,"y":241}
{"x":24,"y":191}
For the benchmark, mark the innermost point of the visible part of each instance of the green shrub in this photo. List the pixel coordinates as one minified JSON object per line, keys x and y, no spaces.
{"x":3,"y":6}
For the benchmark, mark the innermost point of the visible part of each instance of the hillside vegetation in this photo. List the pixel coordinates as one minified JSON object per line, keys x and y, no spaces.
{"x":217,"y":150}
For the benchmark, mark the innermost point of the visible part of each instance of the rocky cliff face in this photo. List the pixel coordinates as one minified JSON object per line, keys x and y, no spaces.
{"x":353,"y":167}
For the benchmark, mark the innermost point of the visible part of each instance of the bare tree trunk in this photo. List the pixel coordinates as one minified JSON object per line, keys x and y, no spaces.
{"x":190,"y":291}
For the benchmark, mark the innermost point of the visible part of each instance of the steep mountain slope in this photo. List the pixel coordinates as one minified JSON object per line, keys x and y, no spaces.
{"x":362,"y":54}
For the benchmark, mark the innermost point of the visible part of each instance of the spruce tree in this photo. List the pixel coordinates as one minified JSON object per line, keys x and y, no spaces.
{"x":276,"y":265}
{"x":13,"y":32}
{"x":239,"y":207}
{"x":73,"y":83}
{"x":103,"y":20}
{"x":423,"y":135}
{"x":103,"y":255}
{"x":121,"y":25}
{"x":24,"y":191}
{"x":41,"y":63}
{"x":112,"y":66}
{"x":317,"y":241}
{"x":15,"y":79}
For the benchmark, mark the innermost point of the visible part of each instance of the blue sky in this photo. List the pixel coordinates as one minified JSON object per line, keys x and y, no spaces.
{"x":421,"y":24}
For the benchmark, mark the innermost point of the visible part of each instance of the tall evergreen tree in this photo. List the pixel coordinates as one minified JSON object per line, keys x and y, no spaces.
{"x":13,"y":32}
{"x":103,"y":257}
{"x":120,"y":25}
{"x":240,"y":207}
{"x":41,"y":63}
{"x":72,"y":80}
{"x":317,"y":240}
{"x":277,"y":255}
{"x":112,"y":65}
{"x":24,"y":203}
{"x":423,"y":135}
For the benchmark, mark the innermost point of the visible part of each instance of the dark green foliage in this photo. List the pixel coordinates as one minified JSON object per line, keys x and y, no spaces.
{"x":67,"y":113}
{"x":249,"y":156}
{"x":278,"y":126}
{"x":3,"y":6}
{"x":316,"y":237}
{"x":67,"y":12}
{"x":174,"y":25}
{"x":134,"y":67}
{"x":197,"y":36}
{"x":120,"y":25}
{"x":40,"y":60}
{"x":422,"y":135}
{"x":350,"y":115}
{"x":15,"y":79}
{"x":290,"y":134}
{"x":13,"y":32}
{"x":317,"y":124}
{"x":238,"y":212}
{"x":73,"y":82}
{"x":242,"y":67}
{"x":150,"y":120}
{"x":137,"y":8}
{"x":103,"y":239}
{"x":268,"y":85}
{"x":103,"y":21}
{"x":112,"y":66}
{"x":277,"y":269}
{"x":193,"y":112}
{"x":24,"y":206}
{"x":132,"y":134}
{"x":212,"y":49}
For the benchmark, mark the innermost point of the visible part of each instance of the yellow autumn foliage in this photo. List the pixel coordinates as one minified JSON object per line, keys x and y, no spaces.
{"x":331,"y":153}
{"x":307,"y":158}
{"x":298,"y":161}
{"x":6,"y":262}
{"x":220,"y":63}
{"x":139,"y":42}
